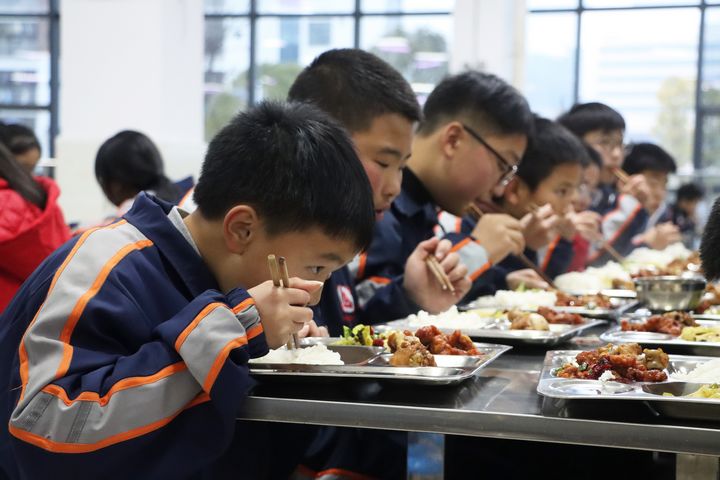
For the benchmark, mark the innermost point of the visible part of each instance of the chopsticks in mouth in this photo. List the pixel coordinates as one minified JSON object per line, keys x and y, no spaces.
{"x":280,"y":278}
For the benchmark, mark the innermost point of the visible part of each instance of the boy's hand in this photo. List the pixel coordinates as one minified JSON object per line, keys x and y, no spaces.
{"x":500,"y":235}
{"x":527,"y":277}
{"x":311,"y":329}
{"x":539,"y":227}
{"x":638,"y":187}
{"x":565,"y":226}
{"x":422,"y":286}
{"x":661,"y":236}
{"x":587,"y":224}
{"x":283,"y":311}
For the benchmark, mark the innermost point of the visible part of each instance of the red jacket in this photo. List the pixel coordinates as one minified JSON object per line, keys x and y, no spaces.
{"x":27,"y":235}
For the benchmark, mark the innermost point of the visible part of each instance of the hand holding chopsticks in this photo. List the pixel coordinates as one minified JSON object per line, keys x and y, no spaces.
{"x":439,"y":272}
{"x":280,"y":278}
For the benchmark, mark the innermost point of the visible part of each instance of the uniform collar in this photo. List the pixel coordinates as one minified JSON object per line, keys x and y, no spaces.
{"x":150,"y":215}
{"x":414,"y":196}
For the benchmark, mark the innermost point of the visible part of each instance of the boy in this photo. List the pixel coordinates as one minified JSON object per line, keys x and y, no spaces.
{"x":472,"y":136}
{"x":626,"y":227}
{"x":133,"y":360}
{"x":379,"y":109}
{"x":549,"y":175}
{"x":586,"y":221}
{"x":683,"y":212}
{"x":710,"y":244}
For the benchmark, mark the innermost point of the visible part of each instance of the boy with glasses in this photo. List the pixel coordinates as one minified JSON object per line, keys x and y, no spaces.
{"x":472,"y":137}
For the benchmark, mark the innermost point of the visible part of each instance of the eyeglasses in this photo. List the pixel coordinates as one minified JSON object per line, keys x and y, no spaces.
{"x":507,"y":169}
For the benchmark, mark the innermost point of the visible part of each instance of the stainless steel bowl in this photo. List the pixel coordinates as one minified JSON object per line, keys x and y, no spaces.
{"x":666,"y":293}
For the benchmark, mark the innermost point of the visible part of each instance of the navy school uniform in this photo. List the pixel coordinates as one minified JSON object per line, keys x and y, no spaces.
{"x":122,"y":359}
{"x":412,"y":218}
{"x":338,"y":303}
{"x":605,"y":198}
{"x":621,"y":227}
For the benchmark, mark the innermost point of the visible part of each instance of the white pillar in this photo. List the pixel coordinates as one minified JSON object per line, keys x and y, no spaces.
{"x":127,"y":64}
{"x":489,"y":36}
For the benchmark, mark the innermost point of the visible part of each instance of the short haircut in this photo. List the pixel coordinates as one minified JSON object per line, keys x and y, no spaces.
{"x":485,"y":101}
{"x":131,"y":159}
{"x":296,"y":166}
{"x":648,"y":157}
{"x":550,"y":146}
{"x":18,"y":138}
{"x":355,"y":87}
{"x":583,"y":118}
{"x":711,"y":244}
{"x":593,"y":157}
{"x":690,"y":192}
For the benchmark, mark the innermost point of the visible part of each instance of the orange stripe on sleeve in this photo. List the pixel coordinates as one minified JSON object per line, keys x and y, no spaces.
{"x":243,"y":305}
{"x":361,"y":265}
{"x":476,"y":274}
{"x":380,"y":280}
{"x":548,"y":255}
{"x":461,"y":244}
{"x":22,"y":351}
{"x":60,"y":447}
{"x":191,"y":326}
{"x":123,"y":384}
{"x":618,"y":233}
{"x":87,"y":296}
{"x":220,"y":360}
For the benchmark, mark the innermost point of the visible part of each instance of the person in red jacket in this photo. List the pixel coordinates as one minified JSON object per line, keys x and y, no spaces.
{"x":31,"y":224}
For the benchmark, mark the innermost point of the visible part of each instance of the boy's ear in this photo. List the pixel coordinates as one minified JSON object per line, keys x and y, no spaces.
{"x":450,"y":137}
{"x":240,"y":227}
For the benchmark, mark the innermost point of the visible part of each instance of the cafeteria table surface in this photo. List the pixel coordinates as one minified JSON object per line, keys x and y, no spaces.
{"x":499,"y":402}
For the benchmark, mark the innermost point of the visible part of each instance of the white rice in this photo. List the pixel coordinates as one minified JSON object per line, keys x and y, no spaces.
{"x":315,"y":355}
{"x":593,"y":279}
{"x":452,"y":318}
{"x":508,"y":299}
{"x":708,"y":372}
{"x":659,"y":258}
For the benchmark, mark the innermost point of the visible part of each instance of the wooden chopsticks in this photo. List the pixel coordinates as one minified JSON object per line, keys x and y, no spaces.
{"x":621,"y":174}
{"x":280,"y":277}
{"x":474,"y":211}
{"x":439,"y":272}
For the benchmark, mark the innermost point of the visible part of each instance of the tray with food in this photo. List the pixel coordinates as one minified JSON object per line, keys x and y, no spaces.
{"x":611,"y":280}
{"x":427,"y":357}
{"x":591,"y":305}
{"x":674,"y":385}
{"x":517,"y":327}
{"x":673,"y":331}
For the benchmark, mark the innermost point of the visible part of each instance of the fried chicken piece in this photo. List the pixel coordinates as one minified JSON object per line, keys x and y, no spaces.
{"x":557,"y":317}
{"x":527,"y":321}
{"x":671,"y":323}
{"x":622,"y":284}
{"x":656,"y":359}
{"x":411,"y":352}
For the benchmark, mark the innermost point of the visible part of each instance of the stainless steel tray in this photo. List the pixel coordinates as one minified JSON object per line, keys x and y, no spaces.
{"x":608,"y":292}
{"x":498,"y":329}
{"x":451,"y":369}
{"x":675,"y":406}
{"x":620,"y":306}
{"x":665,"y":341}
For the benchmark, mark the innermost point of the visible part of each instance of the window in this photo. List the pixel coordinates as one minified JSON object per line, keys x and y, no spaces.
{"x":254,"y":49}
{"x":642,"y":57}
{"x":28,"y":66}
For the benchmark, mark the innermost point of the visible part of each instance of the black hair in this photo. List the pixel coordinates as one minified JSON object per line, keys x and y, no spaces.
{"x":355,"y":87}
{"x":593,"y":157}
{"x":587,"y":117}
{"x":648,"y":156}
{"x":711,"y":243}
{"x":20,"y":180}
{"x":295,"y":165}
{"x":131,"y":159}
{"x":550,"y":146}
{"x":483,"y":100}
{"x":690,"y":192}
{"x":18,"y":138}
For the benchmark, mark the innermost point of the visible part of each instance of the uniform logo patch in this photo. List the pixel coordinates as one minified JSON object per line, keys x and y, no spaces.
{"x":347,"y":302}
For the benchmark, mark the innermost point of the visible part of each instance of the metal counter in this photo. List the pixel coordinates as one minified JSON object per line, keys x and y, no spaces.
{"x":500,"y":402}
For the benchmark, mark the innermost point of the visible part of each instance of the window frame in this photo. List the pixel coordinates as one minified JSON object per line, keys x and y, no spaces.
{"x":52,"y":16}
